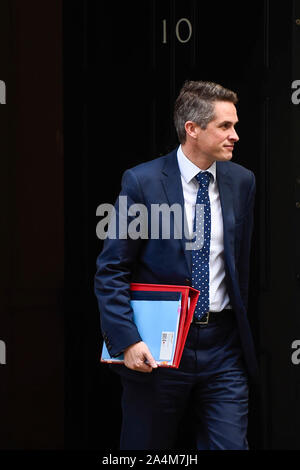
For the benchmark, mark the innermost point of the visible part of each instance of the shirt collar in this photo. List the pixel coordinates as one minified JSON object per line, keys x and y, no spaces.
{"x":188,"y":169}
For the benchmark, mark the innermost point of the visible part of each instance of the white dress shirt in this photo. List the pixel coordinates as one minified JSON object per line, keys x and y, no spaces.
{"x":218,"y":296}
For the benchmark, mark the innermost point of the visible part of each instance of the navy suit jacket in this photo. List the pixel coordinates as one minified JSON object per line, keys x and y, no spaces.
{"x":166,"y":261}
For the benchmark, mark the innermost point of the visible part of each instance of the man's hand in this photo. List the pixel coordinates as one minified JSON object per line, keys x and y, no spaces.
{"x":136,"y":355}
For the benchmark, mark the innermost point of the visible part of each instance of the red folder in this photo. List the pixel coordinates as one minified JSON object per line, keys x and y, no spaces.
{"x":189,"y":298}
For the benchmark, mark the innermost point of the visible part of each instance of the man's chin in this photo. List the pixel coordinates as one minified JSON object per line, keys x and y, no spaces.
{"x":225,"y":157}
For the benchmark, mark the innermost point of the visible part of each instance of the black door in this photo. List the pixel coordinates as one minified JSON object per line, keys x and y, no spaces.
{"x":124,"y":65}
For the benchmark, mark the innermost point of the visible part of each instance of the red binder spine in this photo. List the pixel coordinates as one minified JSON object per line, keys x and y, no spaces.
{"x":186,"y":313}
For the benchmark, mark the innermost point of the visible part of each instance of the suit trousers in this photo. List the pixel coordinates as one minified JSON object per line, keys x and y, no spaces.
{"x":211,"y":380}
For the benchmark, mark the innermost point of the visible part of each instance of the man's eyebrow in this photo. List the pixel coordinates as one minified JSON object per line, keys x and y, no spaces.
{"x":228,"y":122}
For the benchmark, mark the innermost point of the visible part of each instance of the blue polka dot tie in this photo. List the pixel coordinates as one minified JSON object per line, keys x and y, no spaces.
{"x":200,"y":260}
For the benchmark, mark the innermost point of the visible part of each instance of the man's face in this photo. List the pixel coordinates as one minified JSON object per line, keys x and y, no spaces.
{"x":216,"y":142}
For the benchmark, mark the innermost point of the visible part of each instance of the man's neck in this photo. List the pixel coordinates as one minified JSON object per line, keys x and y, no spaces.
{"x":201,"y":161}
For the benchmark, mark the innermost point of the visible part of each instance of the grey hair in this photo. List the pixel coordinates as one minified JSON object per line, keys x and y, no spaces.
{"x":195,"y":103}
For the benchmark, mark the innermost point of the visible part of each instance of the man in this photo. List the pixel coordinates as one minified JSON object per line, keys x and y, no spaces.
{"x":219,"y":356}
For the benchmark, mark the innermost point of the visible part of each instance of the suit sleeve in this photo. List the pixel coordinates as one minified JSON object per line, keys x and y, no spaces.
{"x":244,"y":256}
{"x":113,"y":276}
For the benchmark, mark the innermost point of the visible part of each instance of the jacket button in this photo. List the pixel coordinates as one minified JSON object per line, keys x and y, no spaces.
{"x":188,"y":282}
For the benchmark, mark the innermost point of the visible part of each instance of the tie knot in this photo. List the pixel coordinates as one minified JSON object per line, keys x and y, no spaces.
{"x":203,"y":178}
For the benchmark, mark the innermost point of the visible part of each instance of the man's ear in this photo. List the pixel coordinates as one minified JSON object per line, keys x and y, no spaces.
{"x":192,"y":129}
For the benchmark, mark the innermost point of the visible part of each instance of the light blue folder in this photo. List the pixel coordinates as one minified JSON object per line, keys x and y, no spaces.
{"x":156,"y":315}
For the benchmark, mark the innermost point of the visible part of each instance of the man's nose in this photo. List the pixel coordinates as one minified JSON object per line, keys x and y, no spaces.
{"x":233,"y":136}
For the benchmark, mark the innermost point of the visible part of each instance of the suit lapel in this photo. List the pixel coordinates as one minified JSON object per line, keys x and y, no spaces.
{"x":225,"y":186}
{"x":171,"y":181}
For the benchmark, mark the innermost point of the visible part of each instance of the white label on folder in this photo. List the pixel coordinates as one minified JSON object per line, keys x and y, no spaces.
{"x":166,"y":346}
